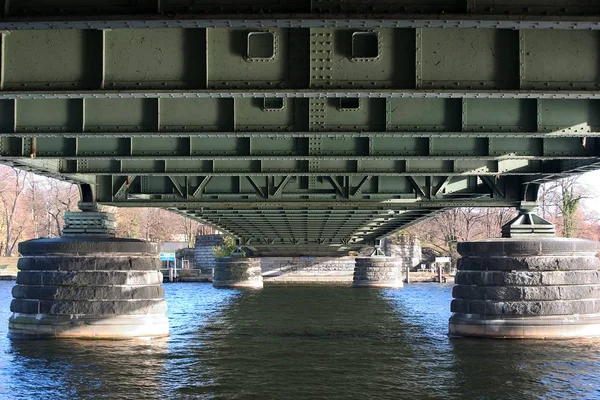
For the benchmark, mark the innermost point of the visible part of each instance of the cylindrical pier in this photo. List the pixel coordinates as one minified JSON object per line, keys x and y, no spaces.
{"x":378,"y":272}
{"x":88,"y":288}
{"x":238,"y":272}
{"x":536,"y":287}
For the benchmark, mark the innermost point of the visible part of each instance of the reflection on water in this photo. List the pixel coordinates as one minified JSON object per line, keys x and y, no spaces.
{"x":300,"y":343}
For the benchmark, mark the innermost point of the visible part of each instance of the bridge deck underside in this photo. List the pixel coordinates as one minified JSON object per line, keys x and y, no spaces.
{"x":305,"y":134}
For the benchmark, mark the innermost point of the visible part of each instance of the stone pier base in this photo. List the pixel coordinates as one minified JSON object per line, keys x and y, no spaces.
{"x":88,"y":288}
{"x":542,"y":288}
{"x":238,"y":272}
{"x":380,"y":272}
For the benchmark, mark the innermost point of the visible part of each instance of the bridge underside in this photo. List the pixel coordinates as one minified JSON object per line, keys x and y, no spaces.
{"x":292,"y":126}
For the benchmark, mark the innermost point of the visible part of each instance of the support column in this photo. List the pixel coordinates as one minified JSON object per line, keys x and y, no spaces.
{"x":88,"y":285}
{"x":529,"y":285}
{"x":378,"y":272}
{"x":238,"y":272}
{"x":204,"y":254}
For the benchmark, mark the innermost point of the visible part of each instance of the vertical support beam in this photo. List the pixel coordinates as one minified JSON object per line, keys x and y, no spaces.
{"x":15,"y":122}
{"x":521,"y":59}
{"x":315,"y":145}
{"x":234,"y":116}
{"x":539,"y":106}
{"x":321,"y":57}
{"x":206,"y":33}
{"x":83,"y":106}
{"x":463,"y":117}
{"x":158,"y":104}
{"x":317,"y":114}
{"x":3,"y":56}
{"x":321,"y":76}
{"x":103,"y":69}
{"x":418,"y":57}
{"x":388,"y":114}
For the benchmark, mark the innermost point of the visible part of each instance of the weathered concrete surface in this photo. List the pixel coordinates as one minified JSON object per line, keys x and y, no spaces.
{"x":382,"y":272}
{"x":536,"y":287}
{"x":89,"y":288}
{"x":203,"y":252}
{"x":406,"y":247}
{"x":237,"y":272}
{"x":307,"y":270}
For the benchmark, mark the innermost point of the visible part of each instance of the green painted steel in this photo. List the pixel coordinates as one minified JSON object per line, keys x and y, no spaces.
{"x":302,"y":130}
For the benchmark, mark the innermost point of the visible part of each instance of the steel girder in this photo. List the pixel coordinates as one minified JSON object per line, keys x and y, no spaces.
{"x":302,"y":132}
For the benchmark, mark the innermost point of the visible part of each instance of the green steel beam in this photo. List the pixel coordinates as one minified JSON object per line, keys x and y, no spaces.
{"x":266,"y":189}
{"x":301,"y":133}
{"x":227,"y":117}
{"x":184,"y":9}
{"x":102,"y":62}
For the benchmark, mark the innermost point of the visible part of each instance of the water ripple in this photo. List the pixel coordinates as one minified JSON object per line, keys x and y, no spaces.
{"x":299,"y":343}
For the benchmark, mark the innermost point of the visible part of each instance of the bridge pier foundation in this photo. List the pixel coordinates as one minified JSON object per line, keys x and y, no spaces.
{"x":378,"y":272}
{"x":88,"y":284}
{"x":88,"y":288}
{"x":238,"y":272}
{"x":530,"y":287}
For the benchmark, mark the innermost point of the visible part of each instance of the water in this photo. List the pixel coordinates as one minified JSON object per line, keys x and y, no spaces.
{"x":299,"y":343}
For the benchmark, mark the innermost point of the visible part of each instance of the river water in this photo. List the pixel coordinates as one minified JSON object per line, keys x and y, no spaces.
{"x":299,"y":343}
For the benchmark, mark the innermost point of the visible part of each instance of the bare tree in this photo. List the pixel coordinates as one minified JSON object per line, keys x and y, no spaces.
{"x":10,"y":194}
{"x":559,"y":203}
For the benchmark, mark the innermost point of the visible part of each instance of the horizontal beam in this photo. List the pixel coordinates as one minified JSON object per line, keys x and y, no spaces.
{"x":387,"y":62}
{"x":229,"y":117}
{"x":268,"y":189}
{"x":410,"y":204}
{"x":207,"y":9}
{"x":507,"y":16}
{"x":549,"y":94}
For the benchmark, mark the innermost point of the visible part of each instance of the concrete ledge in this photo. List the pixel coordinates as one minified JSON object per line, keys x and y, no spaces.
{"x":86,"y":246}
{"x":563,"y":292}
{"x":555,"y":327}
{"x":80,"y":307}
{"x":527,"y":278}
{"x":255,"y":284}
{"x":392,"y":284}
{"x":44,"y":292}
{"x":96,"y":278}
{"x":26,"y":326}
{"x":88,"y":263}
{"x":533,"y":246}
{"x":531,"y":263}
{"x":526,"y":308}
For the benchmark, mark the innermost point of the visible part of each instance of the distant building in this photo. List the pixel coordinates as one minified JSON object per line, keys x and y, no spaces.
{"x":172,"y":247}
{"x":168,"y":252}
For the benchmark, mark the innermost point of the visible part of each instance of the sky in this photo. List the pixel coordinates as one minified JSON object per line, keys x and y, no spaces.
{"x":591,"y":182}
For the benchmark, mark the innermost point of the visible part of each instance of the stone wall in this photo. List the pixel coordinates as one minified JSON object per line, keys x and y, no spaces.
{"x":204,"y":255}
{"x":406,"y":247}
{"x":307,"y":269}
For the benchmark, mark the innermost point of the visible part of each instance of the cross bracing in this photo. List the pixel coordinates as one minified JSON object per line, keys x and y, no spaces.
{"x":295,"y":132}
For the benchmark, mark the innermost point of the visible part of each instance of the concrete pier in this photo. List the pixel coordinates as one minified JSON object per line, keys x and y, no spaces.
{"x":378,"y":271}
{"x":203,"y":254}
{"x":527,"y":287}
{"x":238,"y":272}
{"x":88,"y":288}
